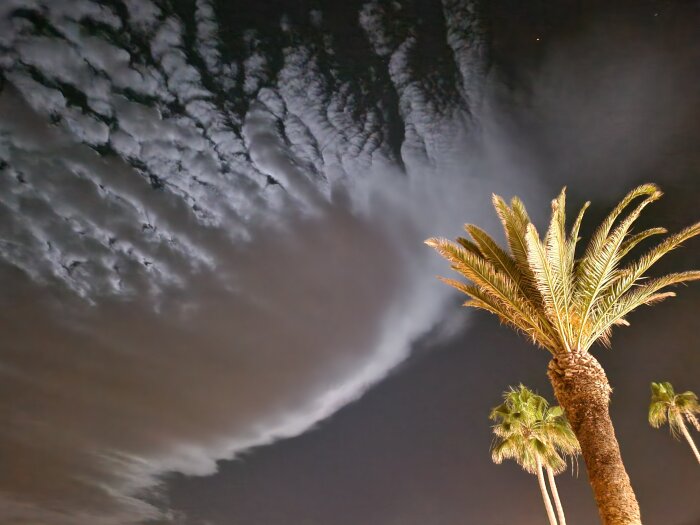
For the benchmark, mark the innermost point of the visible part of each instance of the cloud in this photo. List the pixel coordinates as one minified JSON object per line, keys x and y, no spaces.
{"x":199,"y":257}
{"x":202,"y":254}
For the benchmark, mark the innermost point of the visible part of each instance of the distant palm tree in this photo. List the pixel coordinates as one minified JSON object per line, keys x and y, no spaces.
{"x":536,"y":436}
{"x":565,"y":305}
{"x":667,"y":406}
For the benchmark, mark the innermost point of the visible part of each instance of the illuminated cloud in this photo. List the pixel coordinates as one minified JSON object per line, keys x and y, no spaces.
{"x":204,"y":251}
{"x":209,"y":248}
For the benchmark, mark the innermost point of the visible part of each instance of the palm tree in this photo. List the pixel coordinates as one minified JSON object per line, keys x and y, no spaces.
{"x":565,"y":305}
{"x":667,"y":406}
{"x":536,"y":436}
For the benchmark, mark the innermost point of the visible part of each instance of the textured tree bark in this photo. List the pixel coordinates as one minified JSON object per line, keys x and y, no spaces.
{"x":545,"y":494}
{"x":555,"y":497}
{"x":688,"y":438}
{"x":582,"y":389}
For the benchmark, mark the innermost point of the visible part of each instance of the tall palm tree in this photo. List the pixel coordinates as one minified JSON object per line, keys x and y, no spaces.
{"x":667,"y":406}
{"x":565,"y":305}
{"x":536,"y":436}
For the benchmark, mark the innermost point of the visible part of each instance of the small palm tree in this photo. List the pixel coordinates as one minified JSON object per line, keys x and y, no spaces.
{"x":565,"y":305}
{"x":536,"y":436}
{"x":676,"y":409}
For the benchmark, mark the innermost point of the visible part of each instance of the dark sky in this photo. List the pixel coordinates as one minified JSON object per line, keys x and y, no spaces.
{"x":414,"y":449}
{"x":211,"y":217}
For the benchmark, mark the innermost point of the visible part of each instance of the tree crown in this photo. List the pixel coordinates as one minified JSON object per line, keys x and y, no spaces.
{"x":668,"y":407}
{"x":527,"y":429}
{"x":537,"y":286}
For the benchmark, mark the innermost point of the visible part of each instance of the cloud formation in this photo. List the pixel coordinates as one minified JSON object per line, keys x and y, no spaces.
{"x":210,"y":238}
{"x":199,"y":248}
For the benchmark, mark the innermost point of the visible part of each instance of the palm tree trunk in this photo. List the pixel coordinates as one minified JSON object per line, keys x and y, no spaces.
{"x":687,"y":435}
{"x":555,"y":497}
{"x":545,"y":494}
{"x":582,"y":389}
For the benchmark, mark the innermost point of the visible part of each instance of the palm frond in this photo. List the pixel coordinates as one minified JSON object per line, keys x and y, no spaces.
{"x":529,"y":431}
{"x":688,"y":401}
{"x":495,"y":288}
{"x":548,"y":285}
{"x":557,"y":251}
{"x":515,"y":220}
{"x":573,"y":236}
{"x":646,"y":294}
{"x":601,"y":233}
{"x":597,"y":268}
{"x":633,"y":273}
{"x":657,"y":415}
{"x":469,"y":246}
{"x":493,"y":253}
{"x":668,"y":407}
{"x":634,"y":240}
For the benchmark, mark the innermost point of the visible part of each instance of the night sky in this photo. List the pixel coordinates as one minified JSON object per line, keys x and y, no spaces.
{"x":216,"y":306}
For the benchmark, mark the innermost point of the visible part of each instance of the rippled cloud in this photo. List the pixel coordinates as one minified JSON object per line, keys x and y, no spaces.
{"x":200,"y":236}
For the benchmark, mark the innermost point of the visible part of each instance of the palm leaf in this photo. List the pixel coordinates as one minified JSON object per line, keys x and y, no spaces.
{"x":493,"y":253}
{"x":497,"y":291}
{"x":641,"y":295}
{"x":547,"y":285}
{"x":597,"y":268}
{"x":634,"y":240}
{"x":515,"y":221}
{"x":667,"y":406}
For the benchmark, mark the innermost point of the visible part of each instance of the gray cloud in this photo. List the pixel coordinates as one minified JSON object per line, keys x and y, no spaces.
{"x":199,"y":256}
{"x":199,"y":253}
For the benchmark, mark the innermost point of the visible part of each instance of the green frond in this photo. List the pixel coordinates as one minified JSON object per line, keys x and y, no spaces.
{"x":597,"y":268}
{"x":573,"y":236}
{"x":646,"y":294}
{"x":556,"y":411}
{"x":668,"y":407}
{"x":551,"y":458}
{"x":499,"y":412}
{"x":548,"y":286}
{"x":558,"y":256}
{"x":688,"y":402}
{"x":657,"y":415}
{"x":495,"y":289}
{"x":662,"y":391}
{"x":675,"y":423}
{"x":493,"y":253}
{"x":603,"y":230}
{"x":633,"y":273}
{"x":479,"y":299}
{"x":503,"y":449}
{"x":528,"y":430}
